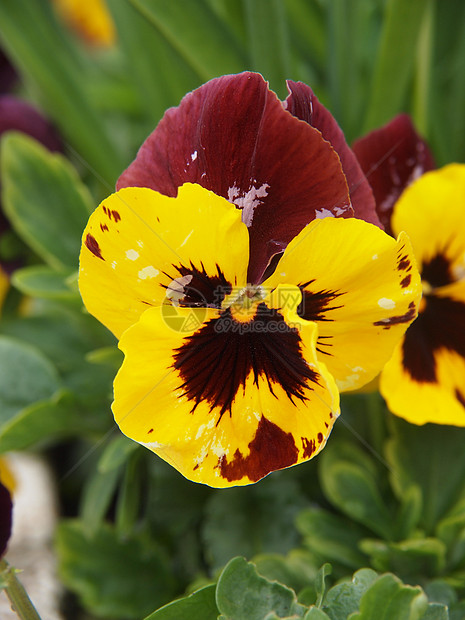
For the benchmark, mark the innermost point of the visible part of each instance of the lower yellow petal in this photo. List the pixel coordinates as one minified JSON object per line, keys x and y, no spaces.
{"x":204,"y":400}
{"x":360,"y":286}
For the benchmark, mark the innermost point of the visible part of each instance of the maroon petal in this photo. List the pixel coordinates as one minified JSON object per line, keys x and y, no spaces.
{"x":6,"y":509}
{"x":234,"y":137}
{"x":18,"y":115}
{"x":302,"y":103}
{"x":392,"y":157}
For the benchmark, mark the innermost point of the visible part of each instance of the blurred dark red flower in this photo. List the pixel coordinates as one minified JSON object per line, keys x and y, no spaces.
{"x":391,"y":158}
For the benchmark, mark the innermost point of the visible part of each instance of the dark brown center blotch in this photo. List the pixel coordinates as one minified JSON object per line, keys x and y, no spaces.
{"x":441,"y":325}
{"x":214,"y":362}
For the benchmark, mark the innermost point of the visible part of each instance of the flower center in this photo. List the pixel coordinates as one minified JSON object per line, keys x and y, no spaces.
{"x":243,"y":303}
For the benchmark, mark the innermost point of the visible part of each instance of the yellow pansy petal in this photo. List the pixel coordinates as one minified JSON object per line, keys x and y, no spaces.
{"x":425,"y":379}
{"x":360,"y":286}
{"x":140,"y":247}
{"x":225,"y":402}
{"x":91,"y":19}
{"x":431,"y":212}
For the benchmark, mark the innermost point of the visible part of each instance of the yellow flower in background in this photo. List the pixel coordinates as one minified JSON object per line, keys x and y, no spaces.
{"x":224,"y":379}
{"x":90,"y":19}
{"x":425,"y":380}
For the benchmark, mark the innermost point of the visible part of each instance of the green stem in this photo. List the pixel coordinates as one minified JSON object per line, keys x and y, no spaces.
{"x":20,"y":601}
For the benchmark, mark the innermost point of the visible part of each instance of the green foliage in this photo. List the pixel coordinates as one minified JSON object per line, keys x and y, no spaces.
{"x":44,"y":200}
{"x":385,"y":501}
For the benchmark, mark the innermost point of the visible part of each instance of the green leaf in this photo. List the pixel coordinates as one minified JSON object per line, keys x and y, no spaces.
{"x":315,"y":614}
{"x":42,"y":281}
{"x":245,"y":513}
{"x":331,"y":537}
{"x":106,"y":356}
{"x":344,"y":598}
{"x":200,"y":605}
{"x":297,"y":570}
{"x":44,"y":200}
{"x":116,"y":453}
{"x":160,"y":75}
{"x":47,"y":420}
{"x":268,"y":36}
{"x":389,"y":599}
{"x":113,"y":577}
{"x":96,"y":497}
{"x":353,"y":488}
{"x":410,"y":559}
{"x":242,"y":593}
{"x":200,"y":37}
{"x":320,"y":582}
{"x":436,"y":611}
{"x":395,"y":60}
{"x":409,"y":513}
{"x":440,"y":476}
{"x":26,"y":376}
{"x":43,"y":52}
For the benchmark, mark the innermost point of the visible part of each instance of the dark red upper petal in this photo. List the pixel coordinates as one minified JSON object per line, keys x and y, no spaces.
{"x":391,"y":158}
{"x":234,"y":137}
{"x":6,"y":509}
{"x":302,"y":103}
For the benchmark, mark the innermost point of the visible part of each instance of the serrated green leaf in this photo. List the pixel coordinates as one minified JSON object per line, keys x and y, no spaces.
{"x":332,"y":537}
{"x":113,"y":577}
{"x":389,"y":599}
{"x":440,"y":476}
{"x":26,"y":376}
{"x":344,"y":598}
{"x":353,"y":489}
{"x":44,"y":200}
{"x":315,"y":614}
{"x":242,"y":593}
{"x":203,"y":40}
{"x":410,"y":559}
{"x":42,"y":281}
{"x":436,"y":611}
{"x":199,"y":605}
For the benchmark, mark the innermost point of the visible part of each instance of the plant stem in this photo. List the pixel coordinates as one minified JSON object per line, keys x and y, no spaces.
{"x":20,"y":601}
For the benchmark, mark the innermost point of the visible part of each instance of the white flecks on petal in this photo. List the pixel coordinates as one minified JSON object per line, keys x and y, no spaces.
{"x":148,"y":272}
{"x":152,"y":445}
{"x":247,"y":201}
{"x":322,"y":213}
{"x":387,"y":304}
{"x":194,"y":156}
{"x":175,"y":290}
{"x":140,"y":244}
{"x":374,"y":257}
{"x":113,"y":264}
{"x":358,"y":369}
{"x":132,"y":254}
{"x":186,"y":239}
{"x":340,"y":210}
{"x":200,"y":431}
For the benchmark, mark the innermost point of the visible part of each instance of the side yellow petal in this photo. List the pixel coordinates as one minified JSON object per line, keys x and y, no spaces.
{"x":360,"y":286}
{"x":192,"y":397}
{"x":137,"y":240}
{"x":425,"y":379}
{"x":430,"y":210}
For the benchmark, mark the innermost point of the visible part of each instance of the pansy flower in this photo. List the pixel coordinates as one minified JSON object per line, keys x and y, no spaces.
{"x":425,"y":379}
{"x":241,"y":305}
